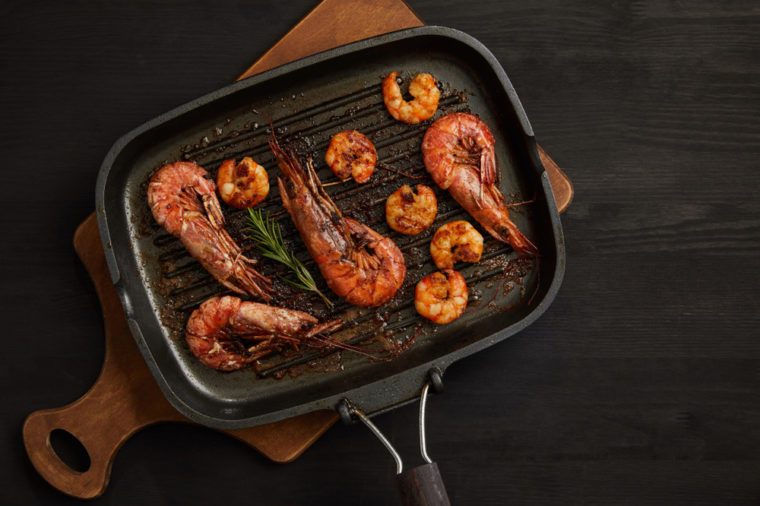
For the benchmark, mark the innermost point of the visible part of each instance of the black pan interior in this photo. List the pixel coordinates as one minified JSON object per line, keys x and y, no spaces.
{"x":308,"y":102}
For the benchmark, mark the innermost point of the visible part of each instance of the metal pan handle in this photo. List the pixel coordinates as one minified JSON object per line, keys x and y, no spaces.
{"x":422,"y":485}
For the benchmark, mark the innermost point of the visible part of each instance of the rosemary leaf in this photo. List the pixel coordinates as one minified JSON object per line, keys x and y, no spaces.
{"x":267,"y":235}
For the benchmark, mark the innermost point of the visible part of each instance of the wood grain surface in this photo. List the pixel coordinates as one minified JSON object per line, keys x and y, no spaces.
{"x":639,"y":386}
{"x":334,"y":23}
{"x":124,"y":398}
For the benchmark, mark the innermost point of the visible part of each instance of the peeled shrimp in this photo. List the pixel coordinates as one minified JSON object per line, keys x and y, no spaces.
{"x":411,"y":212}
{"x":351,"y":154}
{"x":423,"y":88}
{"x":244,"y":184}
{"x":226,"y":333}
{"x":441,"y":297}
{"x":183,"y":201}
{"x":456,"y":241}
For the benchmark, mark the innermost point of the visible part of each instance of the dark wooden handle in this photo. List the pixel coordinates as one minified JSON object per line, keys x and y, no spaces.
{"x":423,"y":486}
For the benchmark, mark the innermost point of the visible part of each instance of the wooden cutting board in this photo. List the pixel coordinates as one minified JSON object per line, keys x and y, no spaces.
{"x":125,"y":398}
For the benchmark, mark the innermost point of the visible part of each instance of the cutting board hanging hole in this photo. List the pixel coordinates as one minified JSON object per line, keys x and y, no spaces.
{"x":70,"y":450}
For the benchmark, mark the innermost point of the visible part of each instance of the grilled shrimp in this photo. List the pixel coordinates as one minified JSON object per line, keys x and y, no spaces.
{"x":456,"y":241}
{"x":441,"y":297}
{"x":458,"y":150}
{"x":411,"y":212}
{"x":216,"y":330}
{"x":423,"y":88}
{"x":360,"y":265}
{"x":244,"y":184}
{"x":351,"y":154}
{"x":183,"y":201}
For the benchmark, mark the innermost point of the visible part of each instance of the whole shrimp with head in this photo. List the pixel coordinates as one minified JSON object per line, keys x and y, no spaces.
{"x":227,"y":334}
{"x":360,"y":265}
{"x":458,"y":150}
{"x":183,"y":201}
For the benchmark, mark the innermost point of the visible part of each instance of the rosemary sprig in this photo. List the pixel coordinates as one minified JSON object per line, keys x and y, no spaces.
{"x":267,"y":235}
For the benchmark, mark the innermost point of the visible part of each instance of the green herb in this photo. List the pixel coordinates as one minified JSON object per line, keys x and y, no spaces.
{"x":267,"y":235}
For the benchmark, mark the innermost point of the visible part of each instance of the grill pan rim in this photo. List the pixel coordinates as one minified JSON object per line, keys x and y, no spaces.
{"x":400,"y":388}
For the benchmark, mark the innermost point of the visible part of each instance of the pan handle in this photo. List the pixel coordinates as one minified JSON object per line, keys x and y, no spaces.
{"x":421,"y":485}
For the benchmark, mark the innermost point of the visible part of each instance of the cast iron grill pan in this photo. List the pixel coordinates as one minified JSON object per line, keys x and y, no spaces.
{"x":306,"y":102}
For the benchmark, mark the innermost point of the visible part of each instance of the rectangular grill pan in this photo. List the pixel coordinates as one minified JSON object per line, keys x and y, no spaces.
{"x":311,"y":99}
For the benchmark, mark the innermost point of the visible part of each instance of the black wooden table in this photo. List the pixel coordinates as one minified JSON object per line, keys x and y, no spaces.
{"x":641,"y":385}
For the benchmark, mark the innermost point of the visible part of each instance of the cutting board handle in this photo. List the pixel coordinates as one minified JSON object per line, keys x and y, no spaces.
{"x":101,"y":447}
{"x":123,"y":400}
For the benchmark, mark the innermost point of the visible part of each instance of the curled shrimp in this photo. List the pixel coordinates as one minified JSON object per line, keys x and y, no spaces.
{"x":351,"y":154}
{"x":441,"y":297}
{"x":411,"y":211}
{"x":458,"y":150}
{"x":183,"y":201}
{"x":244,"y":184}
{"x":360,"y":265}
{"x":456,"y":241}
{"x":227,"y":334}
{"x":423,"y":88}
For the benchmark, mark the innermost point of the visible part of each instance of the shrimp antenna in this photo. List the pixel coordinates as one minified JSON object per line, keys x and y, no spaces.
{"x":345,"y":346}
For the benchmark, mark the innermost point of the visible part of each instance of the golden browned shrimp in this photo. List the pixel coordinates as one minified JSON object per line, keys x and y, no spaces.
{"x":216,"y":330}
{"x":458,"y":150}
{"x":183,"y":201}
{"x":423,"y":88}
{"x":441,"y":297}
{"x":358,"y":264}
{"x":351,"y":154}
{"x":242,"y":185}
{"x":456,"y":241}
{"x":411,"y":212}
